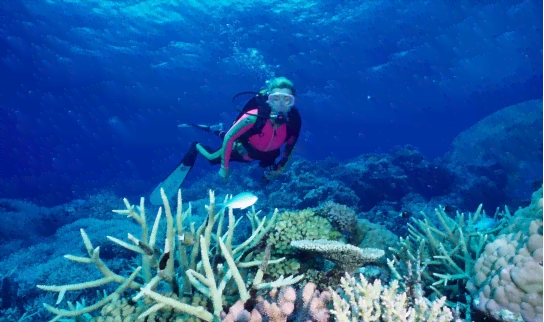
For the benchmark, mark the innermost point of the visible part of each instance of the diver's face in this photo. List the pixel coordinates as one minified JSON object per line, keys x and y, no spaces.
{"x":281,"y":100}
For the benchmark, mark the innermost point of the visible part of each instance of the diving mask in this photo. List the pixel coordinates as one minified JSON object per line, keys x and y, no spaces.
{"x":281,"y":102}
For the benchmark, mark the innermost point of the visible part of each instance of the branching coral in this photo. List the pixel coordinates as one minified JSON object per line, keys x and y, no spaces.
{"x":359,"y":300}
{"x":295,"y":225}
{"x":453,"y":245}
{"x":211,"y":279}
{"x":366,"y":301}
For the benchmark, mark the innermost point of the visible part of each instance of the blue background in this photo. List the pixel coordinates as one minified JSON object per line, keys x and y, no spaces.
{"x":92,"y":91}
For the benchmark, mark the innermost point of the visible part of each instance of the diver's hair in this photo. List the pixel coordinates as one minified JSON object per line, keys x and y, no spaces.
{"x":280,"y":82}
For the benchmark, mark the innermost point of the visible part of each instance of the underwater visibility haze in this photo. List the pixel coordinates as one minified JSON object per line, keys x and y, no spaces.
{"x":367,"y":160}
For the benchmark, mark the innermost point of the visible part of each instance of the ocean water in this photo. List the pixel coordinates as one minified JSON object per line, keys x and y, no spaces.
{"x":413,"y":114}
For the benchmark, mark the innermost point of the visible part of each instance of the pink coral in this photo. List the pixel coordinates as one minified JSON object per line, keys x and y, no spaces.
{"x":308,"y":305}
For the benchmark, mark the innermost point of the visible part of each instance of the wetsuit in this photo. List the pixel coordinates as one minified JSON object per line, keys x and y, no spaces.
{"x":252,"y":137}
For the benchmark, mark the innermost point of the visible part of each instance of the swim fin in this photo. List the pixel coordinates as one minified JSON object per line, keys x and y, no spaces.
{"x":207,"y":128}
{"x":171,"y":184}
{"x":175,"y":179}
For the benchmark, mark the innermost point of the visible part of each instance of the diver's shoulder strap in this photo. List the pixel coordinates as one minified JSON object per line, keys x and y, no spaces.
{"x":258,"y":102}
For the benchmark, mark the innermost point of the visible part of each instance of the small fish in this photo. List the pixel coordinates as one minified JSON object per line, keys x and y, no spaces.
{"x":187,"y":237}
{"x":405,"y":214}
{"x":240,"y":201}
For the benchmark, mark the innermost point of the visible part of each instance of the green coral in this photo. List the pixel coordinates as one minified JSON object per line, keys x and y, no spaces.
{"x":297,"y":225}
{"x":450,"y":247}
{"x":285,"y":268}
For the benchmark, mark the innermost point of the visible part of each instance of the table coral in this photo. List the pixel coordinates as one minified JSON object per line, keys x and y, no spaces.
{"x":347,"y":257}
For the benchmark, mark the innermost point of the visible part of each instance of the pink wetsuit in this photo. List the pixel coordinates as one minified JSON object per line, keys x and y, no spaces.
{"x":269,"y":139}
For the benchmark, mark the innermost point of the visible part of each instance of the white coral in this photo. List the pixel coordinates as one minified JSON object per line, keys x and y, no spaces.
{"x":364,"y":301}
{"x":348,"y":257}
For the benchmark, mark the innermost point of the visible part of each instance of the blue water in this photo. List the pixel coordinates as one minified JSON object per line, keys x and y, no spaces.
{"x":91,"y":92}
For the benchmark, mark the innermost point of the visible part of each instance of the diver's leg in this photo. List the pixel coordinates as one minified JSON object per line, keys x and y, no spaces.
{"x":212,"y":157}
{"x":238,"y":154}
{"x":189,"y":158}
{"x":171,"y":184}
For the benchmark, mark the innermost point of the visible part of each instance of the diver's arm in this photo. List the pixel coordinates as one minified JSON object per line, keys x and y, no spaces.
{"x":287,"y":153}
{"x":245,"y":123}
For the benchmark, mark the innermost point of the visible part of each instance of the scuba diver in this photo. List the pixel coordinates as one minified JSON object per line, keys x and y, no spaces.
{"x":266,"y":123}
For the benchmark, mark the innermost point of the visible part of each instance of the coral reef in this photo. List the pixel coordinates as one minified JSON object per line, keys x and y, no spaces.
{"x":368,"y":234}
{"x":296,"y":225}
{"x":308,"y":304}
{"x":347,"y":257}
{"x":452,"y":246}
{"x":497,"y":157}
{"x":359,"y":300}
{"x":387,"y":181}
{"x":373,"y":302}
{"x":214,"y":283}
{"x":378,"y":177}
{"x":507,"y":278}
{"x":309,"y":190}
{"x":340,"y":216}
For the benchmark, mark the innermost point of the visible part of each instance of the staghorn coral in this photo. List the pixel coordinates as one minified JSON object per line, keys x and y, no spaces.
{"x":308,"y":305}
{"x":126,"y":310}
{"x":452,"y":247}
{"x":359,"y":300}
{"x":159,"y":266}
{"x":364,"y":301}
{"x":287,"y":267}
{"x":347,"y":257}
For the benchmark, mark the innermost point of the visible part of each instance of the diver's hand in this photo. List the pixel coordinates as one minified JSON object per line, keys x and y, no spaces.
{"x":224,"y":173}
